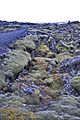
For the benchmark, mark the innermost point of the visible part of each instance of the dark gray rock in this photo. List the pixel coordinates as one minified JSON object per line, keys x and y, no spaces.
{"x":70,"y":65}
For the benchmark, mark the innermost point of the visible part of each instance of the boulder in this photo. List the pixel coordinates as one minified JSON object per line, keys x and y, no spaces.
{"x":14,"y":62}
{"x":24,"y":44}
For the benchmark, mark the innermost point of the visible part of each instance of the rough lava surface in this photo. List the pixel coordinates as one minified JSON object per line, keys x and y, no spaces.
{"x":39,"y":71}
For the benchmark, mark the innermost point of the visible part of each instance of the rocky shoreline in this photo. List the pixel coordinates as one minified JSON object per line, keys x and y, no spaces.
{"x":39,"y":71}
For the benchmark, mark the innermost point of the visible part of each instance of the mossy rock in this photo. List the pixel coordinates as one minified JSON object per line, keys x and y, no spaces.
{"x":40,"y":74}
{"x":69,"y":100}
{"x":12,"y":101}
{"x":16,"y":61}
{"x":76,"y":83}
{"x":55,"y":84}
{"x":40,"y":63}
{"x":63,"y":56}
{"x":32,"y":99}
{"x":2,"y":79}
{"x":24,"y":44}
{"x":47,"y":115}
{"x":50,"y":55}
{"x":31,"y":37}
{"x":16,"y":114}
{"x":43,"y":48}
{"x":49,"y":81}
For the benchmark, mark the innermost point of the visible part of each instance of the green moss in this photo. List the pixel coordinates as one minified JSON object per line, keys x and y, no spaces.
{"x":16,"y":61}
{"x":15,"y":103}
{"x":2,"y":79}
{"x":39,"y":74}
{"x":76,"y":83}
{"x":43,"y":48}
{"x":33,"y":99}
{"x":55,"y":84}
{"x":24,"y":44}
{"x":13,"y":114}
{"x":50,"y":55}
{"x":32,"y":116}
{"x":63,"y":56}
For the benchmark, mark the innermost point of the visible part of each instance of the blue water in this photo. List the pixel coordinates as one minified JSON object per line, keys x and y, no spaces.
{"x":8,"y":37}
